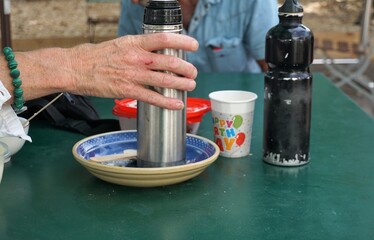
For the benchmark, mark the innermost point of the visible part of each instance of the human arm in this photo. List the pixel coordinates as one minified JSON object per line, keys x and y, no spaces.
{"x":263,"y":17}
{"x":114,"y":69}
{"x":262,"y":64}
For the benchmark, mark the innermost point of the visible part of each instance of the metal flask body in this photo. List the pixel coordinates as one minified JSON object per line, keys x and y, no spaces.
{"x":162,"y":132}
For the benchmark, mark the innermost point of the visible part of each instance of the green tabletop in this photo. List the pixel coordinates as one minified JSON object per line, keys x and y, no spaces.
{"x":46,"y":194}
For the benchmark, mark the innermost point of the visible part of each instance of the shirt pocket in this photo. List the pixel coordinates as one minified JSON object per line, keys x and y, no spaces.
{"x":226,"y":54}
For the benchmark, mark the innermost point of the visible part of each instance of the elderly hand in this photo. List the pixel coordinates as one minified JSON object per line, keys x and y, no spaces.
{"x":121,"y":68}
{"x":114,"y":69}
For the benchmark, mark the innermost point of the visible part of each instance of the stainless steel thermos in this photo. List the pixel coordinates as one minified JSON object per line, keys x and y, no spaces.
{"x":162,"y":132}
{"x":288,"y":89}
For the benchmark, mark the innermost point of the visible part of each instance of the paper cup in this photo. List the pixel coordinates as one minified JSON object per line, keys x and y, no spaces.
{"x":4,"y":154}
{"x":16,"y":143}
{"x":232,"y":113}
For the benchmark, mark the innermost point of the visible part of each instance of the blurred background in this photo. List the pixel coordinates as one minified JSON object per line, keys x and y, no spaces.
{"x":337,"y":25}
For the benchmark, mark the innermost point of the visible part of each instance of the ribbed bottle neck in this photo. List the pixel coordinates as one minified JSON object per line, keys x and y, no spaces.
{"x":163,"y":13}
{"x":290,"y":20}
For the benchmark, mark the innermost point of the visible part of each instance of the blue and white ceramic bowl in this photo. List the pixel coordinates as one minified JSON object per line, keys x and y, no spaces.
{"x":200,"y":153}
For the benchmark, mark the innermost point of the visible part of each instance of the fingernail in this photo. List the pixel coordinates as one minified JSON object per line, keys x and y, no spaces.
{"x":195,"y":45}
{"x":192,"y":85}
{"x":195,"y":72}
{"x":179,"y":105}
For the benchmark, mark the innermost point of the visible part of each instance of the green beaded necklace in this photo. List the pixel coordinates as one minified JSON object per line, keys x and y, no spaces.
{"x":18,"y":104}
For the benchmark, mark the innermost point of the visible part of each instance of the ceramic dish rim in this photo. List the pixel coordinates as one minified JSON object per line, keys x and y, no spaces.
{"x":145,"y":171}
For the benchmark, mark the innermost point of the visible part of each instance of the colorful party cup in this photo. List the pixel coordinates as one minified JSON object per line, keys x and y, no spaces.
{"x":232,"y":113}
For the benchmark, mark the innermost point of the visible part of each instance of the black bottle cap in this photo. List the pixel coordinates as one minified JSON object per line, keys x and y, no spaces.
{"x":291,"y":7}
{"x":163,"y":12}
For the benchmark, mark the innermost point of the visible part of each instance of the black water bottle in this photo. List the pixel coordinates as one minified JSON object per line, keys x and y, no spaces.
{"x":288,"y":89}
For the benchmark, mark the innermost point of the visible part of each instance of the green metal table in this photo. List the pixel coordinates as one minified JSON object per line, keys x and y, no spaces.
{"x":46,"y":194}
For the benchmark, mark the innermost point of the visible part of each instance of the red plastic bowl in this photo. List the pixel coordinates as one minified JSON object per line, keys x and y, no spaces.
{"x":126,"y":110}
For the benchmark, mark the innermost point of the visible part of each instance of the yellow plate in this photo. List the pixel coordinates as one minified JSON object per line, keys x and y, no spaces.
{"x":200,"y":153}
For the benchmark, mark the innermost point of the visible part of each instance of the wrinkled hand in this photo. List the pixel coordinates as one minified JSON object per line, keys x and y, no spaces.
{"x":123,"y":67}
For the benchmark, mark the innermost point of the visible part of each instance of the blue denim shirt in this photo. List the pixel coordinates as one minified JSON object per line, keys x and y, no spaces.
{"x":231,"y":33}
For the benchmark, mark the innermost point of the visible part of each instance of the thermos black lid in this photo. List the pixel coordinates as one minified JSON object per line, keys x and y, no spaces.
{"x":163,"y":12}
{"x":291,"y":7}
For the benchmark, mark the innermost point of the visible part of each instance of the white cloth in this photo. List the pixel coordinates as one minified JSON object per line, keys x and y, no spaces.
{"x":10,"y":125}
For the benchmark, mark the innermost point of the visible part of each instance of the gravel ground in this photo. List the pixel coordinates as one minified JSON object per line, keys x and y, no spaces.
{"x":59,"y":18}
